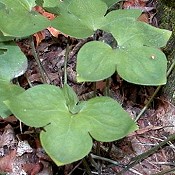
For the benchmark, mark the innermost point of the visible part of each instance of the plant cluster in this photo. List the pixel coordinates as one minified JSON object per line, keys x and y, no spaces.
{"x":70,"y":124}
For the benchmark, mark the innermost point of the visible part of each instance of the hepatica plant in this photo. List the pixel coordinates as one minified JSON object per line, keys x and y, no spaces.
{"x":70,"y":124}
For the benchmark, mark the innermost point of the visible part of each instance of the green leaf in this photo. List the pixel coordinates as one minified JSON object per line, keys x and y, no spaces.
{"x":140,"y":65}
{"x":95,"y":61}
{"x":5,"y":38}
{"x":135,"y":33}
{"x":67,"y":136}
{"x":13,"y":62}
{"x":39,"y":2}
{"x":57,"y":7}
{"x":18,"y":19}
{"x":81,"y":22}
{"x":7,"y":91}
{"x":136,"y":58}
{"x":28,"y":4}
{"x":71,"y":98}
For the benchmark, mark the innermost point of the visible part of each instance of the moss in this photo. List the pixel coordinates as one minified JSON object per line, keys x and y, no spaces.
{"x":166,"y":18}
{"x":169,"y":3}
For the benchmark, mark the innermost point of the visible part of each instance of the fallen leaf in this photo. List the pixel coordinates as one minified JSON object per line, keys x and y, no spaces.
{"x":6,"y":162}
{"x":134,"y":3}
{"x":39,"y":36}
{"x":54,"y":32}
{"x":40,"y":10}
{"x":144,"y":18}
{"x":8,"y":137}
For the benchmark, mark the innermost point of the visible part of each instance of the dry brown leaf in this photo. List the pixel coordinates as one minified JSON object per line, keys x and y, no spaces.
{"x":144,"y":18}
{"x":6,"y":162}
{"x":41,"y":35}
{"x":54,"y":32}
{"x":134,"y":3}
{"x":8,"y":137}
{"x":40,"y":10}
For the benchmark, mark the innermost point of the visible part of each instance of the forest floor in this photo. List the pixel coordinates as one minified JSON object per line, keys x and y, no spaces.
{"x":155,"y":125}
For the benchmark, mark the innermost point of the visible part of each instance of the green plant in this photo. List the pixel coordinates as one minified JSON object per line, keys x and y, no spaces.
{"x":69,"y":123}
{"x":137,"y":57}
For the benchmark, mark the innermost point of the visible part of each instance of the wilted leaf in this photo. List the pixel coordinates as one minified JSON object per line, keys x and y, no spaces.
{"x":67,"y":135}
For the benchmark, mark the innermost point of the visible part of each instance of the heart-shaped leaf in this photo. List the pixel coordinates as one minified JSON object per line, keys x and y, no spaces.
{"x":140,"y":65}
{"x":129,"y":32}
{"x":18,"y":19}
{"x":57,"y":7}
{"x":136,"y":58}
{"x":81,"y":18}
{"x":7,"y":91}
{"x":13,"y":62}
{"x":67,"y":135}
{"x":84,"y":17}
{"x":60,"y":7}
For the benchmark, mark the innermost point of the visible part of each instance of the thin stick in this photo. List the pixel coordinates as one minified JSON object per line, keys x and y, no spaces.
{"x":155,"y":93}
{"x":65,"y":62}
{"x":88,"y":170}
{"x":143,"y":156}
{"x":75,"y":168}
{"x":105,"y":159}
{"x":107,"y":87}
{"x":42,"y":72}
{"x":93,"y":162}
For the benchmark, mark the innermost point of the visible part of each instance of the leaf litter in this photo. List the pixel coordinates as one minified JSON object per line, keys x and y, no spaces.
{"x":155,"y":125}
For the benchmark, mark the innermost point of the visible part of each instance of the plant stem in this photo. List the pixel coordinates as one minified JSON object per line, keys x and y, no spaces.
{"x":65,"y":62}
{"x":93,"y":161}
{"x":107,"y":87}
{"x":95,"y":89}
{"x":88,"y":170}
{"x":75,"y":168}
{"x":148,"y":103}
{"x":155,"y":93}
{"x":41,"y":69}
{"x":141,"y":157}
{"x":98,"y":153}
{"x":105,"y":159}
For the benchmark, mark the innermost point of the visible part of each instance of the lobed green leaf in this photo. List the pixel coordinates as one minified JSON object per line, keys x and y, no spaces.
{"x":140,"y":65}
{"x":18,"y":19}
{"x":67,"y":135}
